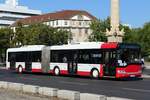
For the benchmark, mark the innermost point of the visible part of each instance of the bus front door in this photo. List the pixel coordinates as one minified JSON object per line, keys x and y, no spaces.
{"x":28,"y":66}
{"x":109,"y":63}
{"x":72,"y":65}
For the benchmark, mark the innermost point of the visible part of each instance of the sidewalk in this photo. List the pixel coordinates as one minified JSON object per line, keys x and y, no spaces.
{"x":146,"y":72}
{"x":13,"y":95}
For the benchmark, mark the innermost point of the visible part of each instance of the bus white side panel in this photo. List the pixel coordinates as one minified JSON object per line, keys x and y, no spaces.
{"x":7,"y":65}
{"x":22,"y":64}
{"x":36,"y":65}
{"x":62,"y":66}
{"x":88,"y":67}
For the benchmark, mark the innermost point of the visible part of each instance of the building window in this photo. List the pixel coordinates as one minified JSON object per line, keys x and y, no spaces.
{"x":80,"y":32}
{"x":66,"y":22}
{"x":57,"y":22}
{"x":80,"y":17}
{"x":53,"y":23}
{"x":86,"y":31}
{"x":80,"y":23}
{"x":73,"y":23}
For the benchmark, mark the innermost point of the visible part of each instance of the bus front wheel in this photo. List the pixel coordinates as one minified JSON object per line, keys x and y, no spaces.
{"x":95,"y":73}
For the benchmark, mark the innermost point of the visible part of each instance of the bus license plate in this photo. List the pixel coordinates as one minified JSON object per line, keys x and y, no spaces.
{"x":132,"y":75}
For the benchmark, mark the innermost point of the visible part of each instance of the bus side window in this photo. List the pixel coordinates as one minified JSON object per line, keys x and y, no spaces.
{"x":84,"y":57}
{"x":36,"y":56}
{"x":64,"y":59}
{"x":54,"y":56}
{"x":11,"y":57}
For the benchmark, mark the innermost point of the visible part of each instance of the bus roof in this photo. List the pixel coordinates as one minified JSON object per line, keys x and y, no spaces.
{"x":82,"y":45}
{"x":27,"y":48}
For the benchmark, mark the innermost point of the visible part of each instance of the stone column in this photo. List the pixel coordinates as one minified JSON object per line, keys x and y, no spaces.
{"x":114,"y":35}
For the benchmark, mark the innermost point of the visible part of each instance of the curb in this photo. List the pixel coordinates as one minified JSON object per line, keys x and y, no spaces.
{"x":54,"y":92}
{"x":145,"y":76}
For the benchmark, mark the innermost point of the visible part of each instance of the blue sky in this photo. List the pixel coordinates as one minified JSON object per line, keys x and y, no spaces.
{"x":133,"y":12}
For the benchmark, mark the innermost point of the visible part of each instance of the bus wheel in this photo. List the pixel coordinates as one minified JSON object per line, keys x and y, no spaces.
{"x":95,"y":73}
{"x":20,"y":69}
{"x":56,"y":71}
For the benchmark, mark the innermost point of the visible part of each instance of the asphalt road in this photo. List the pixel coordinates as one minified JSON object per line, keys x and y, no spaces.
{"x":132,"y":89}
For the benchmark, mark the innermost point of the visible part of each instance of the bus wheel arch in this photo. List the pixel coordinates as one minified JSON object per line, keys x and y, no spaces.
{"x":56,"y":71}
{"x":20,"y":69}
{"x":95,"y":73}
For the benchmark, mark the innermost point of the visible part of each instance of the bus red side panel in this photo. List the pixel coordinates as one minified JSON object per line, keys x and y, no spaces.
{"x":36,"y":70}
{"x":83,"y":73}
{"x":101,"y":71}
{"x":112,"y":45}
{"x":64,"y":72}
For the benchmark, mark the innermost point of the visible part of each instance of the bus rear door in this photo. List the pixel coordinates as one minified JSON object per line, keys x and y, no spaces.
{"x":72,"y":63}
{"x":28,"y":62}
{"x":12,"y":61}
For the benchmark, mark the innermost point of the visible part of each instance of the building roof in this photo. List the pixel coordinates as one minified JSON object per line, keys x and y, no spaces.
{"x":59,"y":15}
{"x":11,"y":6}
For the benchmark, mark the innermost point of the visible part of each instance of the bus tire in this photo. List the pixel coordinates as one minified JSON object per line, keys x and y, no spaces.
{"x":56,"y":71}
{"x":20,"y":69}
{"x":95,"y":73}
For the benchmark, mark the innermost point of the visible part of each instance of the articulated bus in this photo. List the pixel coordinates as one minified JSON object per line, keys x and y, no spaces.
{"x":95,"y":59}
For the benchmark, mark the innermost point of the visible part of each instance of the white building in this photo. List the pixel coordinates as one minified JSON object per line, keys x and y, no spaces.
{"x":75,"y":21}
{"x":10,"y":11}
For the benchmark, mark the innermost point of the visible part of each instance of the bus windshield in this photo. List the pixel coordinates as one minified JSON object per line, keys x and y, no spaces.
{"x":129,"y":55}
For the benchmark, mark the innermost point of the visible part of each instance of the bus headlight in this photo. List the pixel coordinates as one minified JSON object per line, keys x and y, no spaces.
{"x":121,"y":72}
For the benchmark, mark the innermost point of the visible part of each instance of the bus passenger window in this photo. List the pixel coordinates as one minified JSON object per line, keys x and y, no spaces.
{"x":64,"y":59}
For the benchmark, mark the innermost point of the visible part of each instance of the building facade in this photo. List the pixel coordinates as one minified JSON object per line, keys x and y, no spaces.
{"x":10,"y":11}
{"x":75,"y":21}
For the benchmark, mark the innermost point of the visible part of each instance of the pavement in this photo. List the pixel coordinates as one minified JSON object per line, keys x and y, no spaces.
{"x":14,"y":95}
{"x":146,"y":73}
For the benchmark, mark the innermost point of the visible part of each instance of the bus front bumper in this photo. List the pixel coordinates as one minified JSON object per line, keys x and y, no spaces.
{"x":128,"y":74}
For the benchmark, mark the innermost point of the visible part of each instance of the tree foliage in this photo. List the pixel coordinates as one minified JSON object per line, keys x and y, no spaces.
{"x":98,"y":28}
{"x":40,"y":34}
{"x":5,"y":36}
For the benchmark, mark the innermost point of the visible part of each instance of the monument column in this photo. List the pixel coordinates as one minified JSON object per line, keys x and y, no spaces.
{"x":114,"y":34}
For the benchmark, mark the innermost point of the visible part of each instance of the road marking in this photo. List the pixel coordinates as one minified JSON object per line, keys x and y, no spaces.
{"x":137,"y":90}
{"x":73,"y":83}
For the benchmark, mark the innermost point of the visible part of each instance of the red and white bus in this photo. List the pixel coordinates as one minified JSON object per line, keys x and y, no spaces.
{"x":95,"y":59}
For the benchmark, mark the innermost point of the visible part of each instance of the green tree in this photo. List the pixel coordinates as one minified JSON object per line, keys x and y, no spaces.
{"x":40,"y":34}
{"x":144,"y":38}
{"x":18,"y":36}
{"x":5,"y":36}
{"x":99,"y":29}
